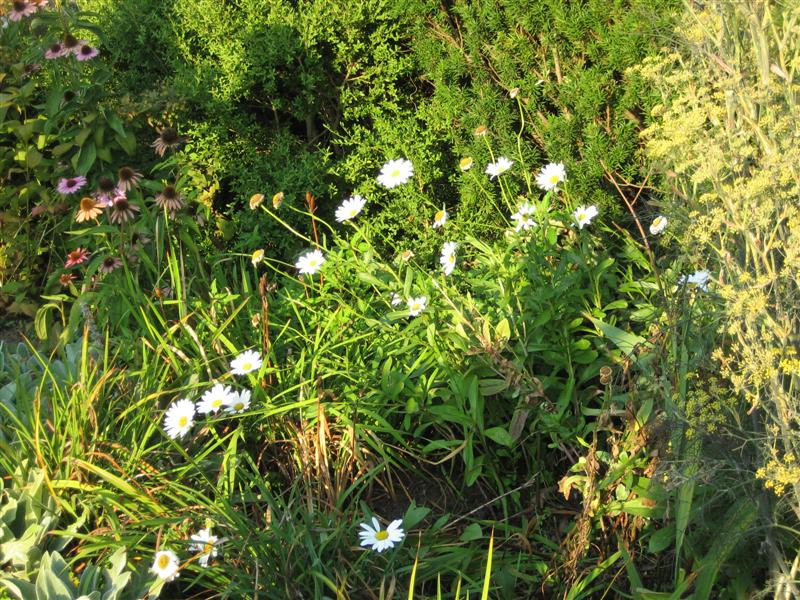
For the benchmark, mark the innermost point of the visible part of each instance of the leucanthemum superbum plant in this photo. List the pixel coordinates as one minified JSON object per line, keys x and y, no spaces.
{"x":340,"y":279}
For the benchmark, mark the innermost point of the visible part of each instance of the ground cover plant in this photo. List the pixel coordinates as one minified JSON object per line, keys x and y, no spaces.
{"x":360,"y":301}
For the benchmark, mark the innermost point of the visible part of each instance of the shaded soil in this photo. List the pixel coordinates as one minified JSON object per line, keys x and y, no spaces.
{"x":11,"y":332}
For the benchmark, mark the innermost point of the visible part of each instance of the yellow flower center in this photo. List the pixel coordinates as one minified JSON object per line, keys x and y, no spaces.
{"x":554,"y":179}
{"x":247,"y":366}
{"x":581,"y":216}
{"x":163,"y":560}
{"x":395,"y":173}
{"x":209,"y":546}
{"x":381,"y":535}
{"x":451,"y":259}
{"x":182,"y":423}
{"x":238,"y":406}
{"x":439,"y":216}
{"x":216,"y":402}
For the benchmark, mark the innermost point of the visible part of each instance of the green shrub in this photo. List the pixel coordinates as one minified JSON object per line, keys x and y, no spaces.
{"x":311,"y":97}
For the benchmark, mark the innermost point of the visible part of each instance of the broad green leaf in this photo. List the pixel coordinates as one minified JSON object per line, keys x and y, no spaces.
{"x":499,"y":435}
{"x":625,"y":341}
{"x":471,"y":532}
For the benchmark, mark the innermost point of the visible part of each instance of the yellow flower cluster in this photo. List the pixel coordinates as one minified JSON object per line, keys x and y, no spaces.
{"x":780,"y":474}
{"x":727,"y":135}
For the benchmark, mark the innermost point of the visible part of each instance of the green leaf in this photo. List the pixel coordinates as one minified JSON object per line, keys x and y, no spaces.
{"x":87,"y":157}
{"x":414,"y":515}
{"x":62,"y":149}
{"x":127,"y":142}
{"x":503,"y":330}
{"x":471,"y":532}
{"x":40,"y":320}
{"x":499,"y":435}
{"x":492,"y":386}
{"x":33,"y":158}
{"x":51,"y":583}
{"x":614,"y":305}
{"x":738,"y":520}
{"x":661,"y":539}
{"x":625,"y":341}
{"x":19,"y":588}
{"x":81,"y":138}
{"x":114,"y":122}
{"x":370,"y":279}
{"x":451,"y":413}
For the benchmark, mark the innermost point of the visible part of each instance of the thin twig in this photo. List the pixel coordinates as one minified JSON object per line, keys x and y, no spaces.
{"x":492,"y":501}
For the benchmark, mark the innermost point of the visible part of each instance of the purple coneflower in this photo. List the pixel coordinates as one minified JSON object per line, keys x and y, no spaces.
{"x":76,"y":257}
{"x":127,"y":178}
{"x":21,"y":9}
{"x":72,"y":44}
{"x":86,"y":52}
{"x":110,"y":263}
{"x":30,"y":69}
{"x":122,"y":210}
{"x":106,"y":191}
{"x":70,"y":185}
{"x":56,"y":50}
{"x":169,"y":199}
{"x":167,"y":138}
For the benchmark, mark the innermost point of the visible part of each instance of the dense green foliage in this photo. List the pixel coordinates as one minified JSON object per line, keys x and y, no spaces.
{"x":310,"y":96}
{"x":226,"y":387}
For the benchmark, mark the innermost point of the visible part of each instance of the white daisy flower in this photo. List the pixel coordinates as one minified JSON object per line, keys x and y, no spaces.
{"x":448,"y":257}
{"x":440,"y":218}
{"x":166,"y":565}
{"x":498,"y":167}
{"x":215,"y":398}
{"x":523,"y":221}
{"x":584,"y":214}
{"x":179,"y":418}
{"x":237,"y":403}
{"x":205,"y":543}
{"x":257,"y":257}
{"x":523,"y":217}
{"x":246,"y":362}
{"x":658,"y":225}
{"x":396,"y":172}
{"x":699,"y":278}
{"x":416,"y":305}
{"x":381,"y":539}
{"x":396,"y":299}
{"x":550,"y":176}
{"x":350,"y":208}
{"x":526,"y":208}
{"x":310,"y":262}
